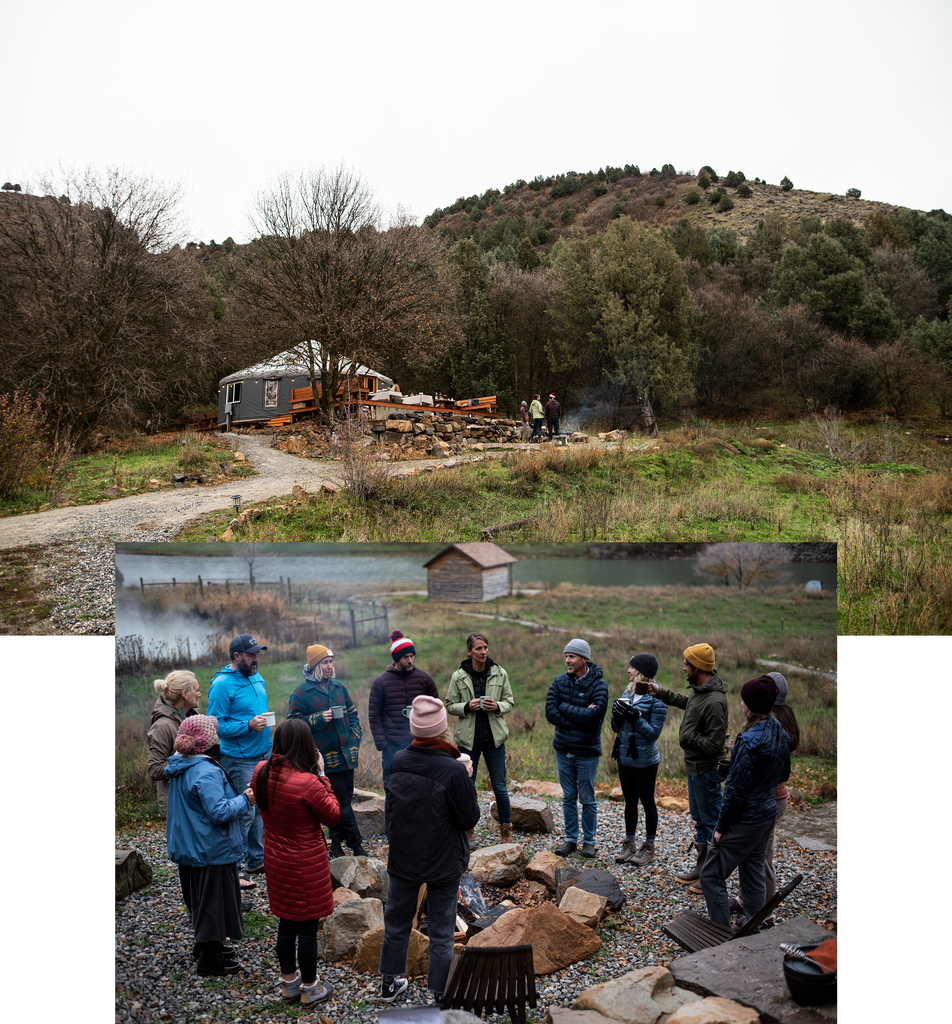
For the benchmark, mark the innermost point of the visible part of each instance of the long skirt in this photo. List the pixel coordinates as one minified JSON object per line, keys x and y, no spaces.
{"x":216,"y":903}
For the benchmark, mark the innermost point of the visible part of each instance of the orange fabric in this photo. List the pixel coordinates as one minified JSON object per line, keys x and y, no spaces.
{"x":825,"y":956}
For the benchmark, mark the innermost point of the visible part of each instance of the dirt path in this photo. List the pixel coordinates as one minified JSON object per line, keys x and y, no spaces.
{"x":810,"y":823}
{"x":127,"y":518}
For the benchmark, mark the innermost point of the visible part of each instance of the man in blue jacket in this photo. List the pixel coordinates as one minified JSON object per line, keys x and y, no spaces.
{"x":576,"y":706}
{"x":238,"y":699}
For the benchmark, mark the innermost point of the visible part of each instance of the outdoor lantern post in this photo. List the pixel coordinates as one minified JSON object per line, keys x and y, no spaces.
{"x":236,"y":501}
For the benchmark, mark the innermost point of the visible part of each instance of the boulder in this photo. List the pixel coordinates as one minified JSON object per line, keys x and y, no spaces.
{"x":616,"y":794}
{"x":672,"y":803}
{"x":603,"y":883}
{"x":714,"y":1010}
{"x":639,"y":997}
{"x":559,"y":1015}
{"x":556,"y":939}
{"x":498,"y":865}
{"x":542,"y":788}
{"x":239,"y":457}
{"x":527,"y":815}
{"x":345,"y":926}
{"x":367,"y":957}
{"x":369,"y":812}
{"x":543,"y":866}
{"x":365,"y":876}
{"x":578,"y":437}
{"x":399,"y":426}
{"x":298,"y":493}
{"x":342,"y":894}
{"x":587,"y":908}
{"x":133,"y":872}
{"x":294,"y":445}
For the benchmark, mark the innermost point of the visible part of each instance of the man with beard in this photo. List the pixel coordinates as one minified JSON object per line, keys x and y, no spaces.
{"x":391,"y":695}
{"x":703,"y":735}
{"x":238,"y":699}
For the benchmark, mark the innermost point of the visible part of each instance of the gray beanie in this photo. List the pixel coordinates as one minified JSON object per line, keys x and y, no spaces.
{"x":578,"y":647}
{"x":781,"y":686}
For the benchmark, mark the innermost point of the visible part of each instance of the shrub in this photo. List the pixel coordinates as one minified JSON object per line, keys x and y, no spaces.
{"x":734,"y":178}
{"x":566,"y":213}
{"x":692,"y":198}
{"x":743,"y":189}
{"x":22,"y":422}
{"x":715,"y":197}
{"x":659,"y":201}
{"x":725,"y":204}
{"x":617,"y":210}
{"x":599,"y":189}
{"x":853,"y":193}
{"x":786,"y":184}
{"x":704,"y":181}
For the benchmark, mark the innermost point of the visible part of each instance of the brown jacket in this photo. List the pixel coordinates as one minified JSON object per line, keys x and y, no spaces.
{"x":165,"y":725}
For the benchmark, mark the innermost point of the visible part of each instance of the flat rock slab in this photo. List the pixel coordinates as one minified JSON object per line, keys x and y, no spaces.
{"x":602,"y":883}
{"x":750,"y":971}
{"x":812,"y":844}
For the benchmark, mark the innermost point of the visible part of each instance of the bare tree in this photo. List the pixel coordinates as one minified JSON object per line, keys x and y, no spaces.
{"x":323,"y":280}
{"x":97,"y":306}
{"x":746,"y":564}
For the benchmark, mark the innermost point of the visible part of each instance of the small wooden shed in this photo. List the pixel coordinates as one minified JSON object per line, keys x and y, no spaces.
{"x":469,"y":572}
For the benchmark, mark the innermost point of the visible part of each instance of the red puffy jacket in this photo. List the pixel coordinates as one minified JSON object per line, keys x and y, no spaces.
{"x":295,"y":853}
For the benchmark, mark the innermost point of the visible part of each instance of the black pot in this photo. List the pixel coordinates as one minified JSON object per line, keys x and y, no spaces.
{"x":808,"y":985}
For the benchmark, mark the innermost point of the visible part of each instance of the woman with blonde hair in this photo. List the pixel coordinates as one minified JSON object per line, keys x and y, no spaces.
{"x":179,"y":695}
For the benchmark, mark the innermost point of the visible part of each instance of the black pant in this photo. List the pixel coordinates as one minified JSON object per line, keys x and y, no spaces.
{"x":639,"y":784}
{"x":185,"y":880}
{"x":305,"y":932}
{"x":346,"y":831}
{"x":552,"y":425}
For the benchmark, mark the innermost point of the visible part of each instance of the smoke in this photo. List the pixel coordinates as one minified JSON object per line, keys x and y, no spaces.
{"x":169,"y":629}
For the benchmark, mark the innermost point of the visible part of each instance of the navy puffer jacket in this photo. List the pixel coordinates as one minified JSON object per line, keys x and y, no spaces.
{"x":636,"y":745}
{"x":578,"y":728}
{"x":390,"y":693}
{"x":761,"y":759}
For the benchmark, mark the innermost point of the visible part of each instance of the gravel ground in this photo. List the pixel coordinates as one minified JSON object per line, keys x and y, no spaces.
{"x":156,"y":980}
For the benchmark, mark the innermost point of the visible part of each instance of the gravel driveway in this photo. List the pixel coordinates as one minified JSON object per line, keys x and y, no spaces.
{"x":73,"y":548}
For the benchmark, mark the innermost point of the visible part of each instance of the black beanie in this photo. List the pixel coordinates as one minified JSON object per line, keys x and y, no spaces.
{"x":647,"y":665}
{"x":759,"y":694}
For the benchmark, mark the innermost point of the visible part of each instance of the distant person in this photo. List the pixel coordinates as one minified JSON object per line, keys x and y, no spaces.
{"x":552,"y":413}
{"x":179,"y":695}
{"x":433,"y":806}
{"x":238,"y":699}
{"x":391,"y":694}
{"x":296,"y":799}
{"x":702,"y":736}
{"x":338,"y":739}
{"x":638,"y":718}
{"x":480,"y":696}
{"x":760,"y":761}
{"x":202,"y":831}
{"x":526,"y":425}
{"x":537,"y":415}
{"x":785,"y":716}
{"x":576,"y":704}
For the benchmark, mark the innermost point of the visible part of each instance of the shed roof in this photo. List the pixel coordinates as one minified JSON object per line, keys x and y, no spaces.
{"x":485,"y":555}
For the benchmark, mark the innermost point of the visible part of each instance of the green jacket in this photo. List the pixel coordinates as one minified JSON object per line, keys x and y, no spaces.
{"x":536,"y":412}
{"x":703,"y":731}
{"x":461,"y":692}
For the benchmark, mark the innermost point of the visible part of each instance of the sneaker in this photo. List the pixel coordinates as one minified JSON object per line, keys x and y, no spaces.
{"x":735,"y":906}
{"x":625,"y":852}
{"x":588,"y":850}
{"x":644,"y":856}
{"x":391,"y":987}
{"x":226,"y":950}
{"x":245,"y":906}
{"x":569,"y":846}
{"x":259,"y":870}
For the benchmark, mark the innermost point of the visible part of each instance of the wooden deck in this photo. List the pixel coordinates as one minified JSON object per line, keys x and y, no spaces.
{"x":303,"y":405}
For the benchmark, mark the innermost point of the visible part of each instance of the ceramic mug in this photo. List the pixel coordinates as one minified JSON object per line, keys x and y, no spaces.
{"x":268,"y":717}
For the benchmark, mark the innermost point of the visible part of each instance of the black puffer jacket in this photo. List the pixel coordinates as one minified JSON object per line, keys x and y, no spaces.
{"x":578,"y":727}
{"x":760,"y":759}
{"x":432,"y":806}
{"x":390,"y":693}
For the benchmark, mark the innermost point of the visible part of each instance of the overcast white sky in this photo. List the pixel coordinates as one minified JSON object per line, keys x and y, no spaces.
{"x":430,"y":101}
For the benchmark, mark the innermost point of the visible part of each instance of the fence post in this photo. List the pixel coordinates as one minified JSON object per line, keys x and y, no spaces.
{"x":289,"y":590}
{"x":173,"y":581}
{"x":201,"y":589}
{"x":386,"y":624}
{"x":353,"y":626}
{"x":141,"y":585}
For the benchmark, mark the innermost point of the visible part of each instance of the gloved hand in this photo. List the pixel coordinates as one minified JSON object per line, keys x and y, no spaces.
{"x":623,"y":708}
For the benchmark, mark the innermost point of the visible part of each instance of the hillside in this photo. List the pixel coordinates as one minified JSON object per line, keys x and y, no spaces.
{"x":544,"y":209}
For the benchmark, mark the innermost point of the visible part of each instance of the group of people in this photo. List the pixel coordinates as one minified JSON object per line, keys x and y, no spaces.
{"x":238,"y":803}
{"x":535,"y":414}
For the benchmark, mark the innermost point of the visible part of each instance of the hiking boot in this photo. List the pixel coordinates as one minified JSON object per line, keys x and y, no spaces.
{"x":569,"y":846}
{"x":693,"y":874}
{"x":625,"y":852}
{"x":227,"y":950}
{"x":505,"y":831}
{"x":291,"y":990}
{"x":336,"y":850}
{"x":588,"y":850}
{"x":359,"y":851}
{"x":314,"y":993}
{"x":217,"y":965}
{"x":645,"y":855}
{"x":391,"y":987}
{"x":695,"y":887}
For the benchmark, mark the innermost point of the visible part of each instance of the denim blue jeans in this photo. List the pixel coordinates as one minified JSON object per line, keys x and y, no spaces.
{"x":441,"y":903}
{"x":704,"y":801}
{"x":577,"y":779}
{"x":386,"y":760}
{"x":240,"y":770}
{"x":495,"y":758}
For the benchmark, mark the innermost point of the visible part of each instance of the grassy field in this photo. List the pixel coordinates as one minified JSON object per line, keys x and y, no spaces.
{"x":662,"y":620}
{"x":881,"y":491}
{"x":125,"y":465}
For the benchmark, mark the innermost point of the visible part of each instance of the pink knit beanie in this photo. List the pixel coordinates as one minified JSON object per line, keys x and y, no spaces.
{"x":428,"y":716}
{"x":196,"y":734}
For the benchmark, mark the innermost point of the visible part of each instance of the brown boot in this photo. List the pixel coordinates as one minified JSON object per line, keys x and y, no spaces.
{"x":644,"y":856}
{"x":686,"y":877}
{"x":625,"y":852}
{"x":505,"y":831}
